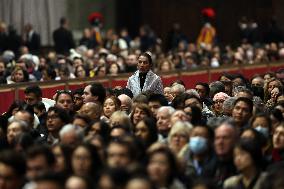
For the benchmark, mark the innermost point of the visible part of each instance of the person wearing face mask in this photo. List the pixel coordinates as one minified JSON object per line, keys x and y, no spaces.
{"x":200,"y":159}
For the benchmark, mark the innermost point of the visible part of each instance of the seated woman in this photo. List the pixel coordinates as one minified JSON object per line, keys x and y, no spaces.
{"x":248,"y":160}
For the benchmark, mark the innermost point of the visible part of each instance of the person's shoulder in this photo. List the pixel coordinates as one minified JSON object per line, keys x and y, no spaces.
{"x":135,"y":74}
{"x":231,"y":181}
{"x":152,"y":74}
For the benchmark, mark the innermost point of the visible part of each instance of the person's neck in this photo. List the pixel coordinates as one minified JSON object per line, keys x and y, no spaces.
{"x":199,"y":157}
{"x":248,"y":175}
{"x":162,"y":184}
{"x":226,"y":157}
{"x":55,"y":134}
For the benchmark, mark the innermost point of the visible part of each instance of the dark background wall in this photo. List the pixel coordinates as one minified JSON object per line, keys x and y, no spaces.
{"x":161,"y":14}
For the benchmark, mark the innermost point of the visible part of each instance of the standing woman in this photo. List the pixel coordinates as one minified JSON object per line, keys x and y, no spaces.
{"x":144,"y":79}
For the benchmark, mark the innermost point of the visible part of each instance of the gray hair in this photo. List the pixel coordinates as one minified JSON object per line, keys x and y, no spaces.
{"x":229,"y":103}
{"x":192,"y":92}
{"x":216,"y":87}
{"x":68,"y":128}
{"x":170,"y":109}
{"x":23,"y":124}
{"x":178,"y":88}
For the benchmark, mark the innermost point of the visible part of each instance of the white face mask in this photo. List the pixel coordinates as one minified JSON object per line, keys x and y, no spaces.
{"x":263,"y":130}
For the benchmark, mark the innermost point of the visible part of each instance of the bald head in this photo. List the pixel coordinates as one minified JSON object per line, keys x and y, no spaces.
{"x":126,"y":103}
{"x":92,"y":110}
{"x":225,"y":139}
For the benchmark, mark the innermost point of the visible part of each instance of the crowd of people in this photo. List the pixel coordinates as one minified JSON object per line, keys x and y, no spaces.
{"x":224,"y":134}
{"x":110,"y":53}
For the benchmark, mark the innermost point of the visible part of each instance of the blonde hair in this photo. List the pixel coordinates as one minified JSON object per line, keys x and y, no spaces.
{"x":180,"y":127}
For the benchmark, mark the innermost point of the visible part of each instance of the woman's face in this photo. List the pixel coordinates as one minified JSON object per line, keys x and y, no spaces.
{"x":113,"y":70}
{"x":138,"y":115}
{"x":109,"y":107}
{"x":260,"y":121}
{"x":272,"y":85}
{"x":242,"y":159}
{"x":81,"y":73}
{"x":143,"y":64}
{"x":60,"y":160}
{"x":278,"y":138}
{"x":81,"y":161}
{"x":158,"y":168}
{"x":19,"y":76}
{"x":53,"y":122}
{"x":102,"y":71}
{"x":142,"y":131}
{"x":178,"y":140}
{"x":166,"y":66}
{"x":95,"y":129}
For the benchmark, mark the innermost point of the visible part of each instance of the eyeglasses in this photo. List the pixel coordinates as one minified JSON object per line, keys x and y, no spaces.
{"x":63,"y":91}
{"x":218,"y":102}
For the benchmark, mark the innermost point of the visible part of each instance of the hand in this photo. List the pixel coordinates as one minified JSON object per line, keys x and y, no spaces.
{"x":274,"y":93}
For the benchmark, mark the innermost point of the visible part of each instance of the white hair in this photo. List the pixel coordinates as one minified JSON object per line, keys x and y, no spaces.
{"x":23,"y":124}
{"x":170,"y":109}
{"x":180,"y":127}
{"x":178,"y":88}
{"x":69,"y":128}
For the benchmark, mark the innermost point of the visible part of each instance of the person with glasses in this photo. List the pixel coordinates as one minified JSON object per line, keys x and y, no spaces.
{"x":56,"y":119}
{"x":218,"y":101}
{"x":78,"y":99}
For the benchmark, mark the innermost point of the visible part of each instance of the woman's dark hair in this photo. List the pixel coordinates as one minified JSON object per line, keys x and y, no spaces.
{"x":83,"y":117}
{"x":62,"y":114}
{"x":104,"y":130}
{"x":150,"y":123}
{"x":205,"y":85}
{"x":4,"y":117}
{"x":173,"y":168}
{"x":227,"y":75}
{"x":97,"y":163}
{"x":118,"y":67}
{"x":98,"y":69}
{"x":258,"y":137}
{"x":67,"y":153}
{"x":253,"y":147}
{"x":263,"y":115}
{"x":85,"y":69}
{"x":196,"y":115}
{"x":118,"y":176}
{"x":277,"y":114}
